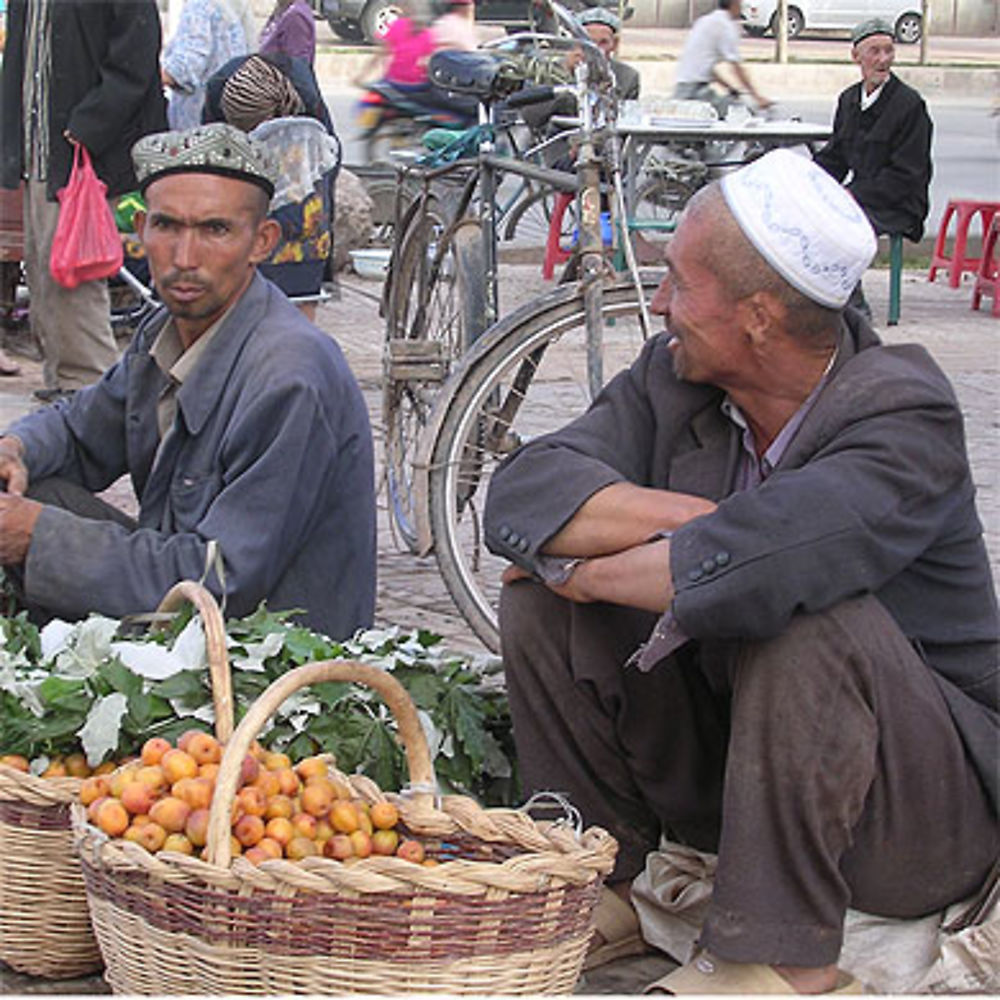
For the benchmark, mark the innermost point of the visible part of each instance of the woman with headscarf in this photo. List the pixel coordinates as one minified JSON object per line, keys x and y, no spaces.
{"x":210,"y":33}
{"x":290,"y":30}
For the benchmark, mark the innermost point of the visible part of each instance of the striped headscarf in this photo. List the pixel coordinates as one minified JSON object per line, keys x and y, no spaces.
{"x":257,"y":92}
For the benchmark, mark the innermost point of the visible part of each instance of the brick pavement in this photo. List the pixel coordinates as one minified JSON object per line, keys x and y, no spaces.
{"x":966,"y":344}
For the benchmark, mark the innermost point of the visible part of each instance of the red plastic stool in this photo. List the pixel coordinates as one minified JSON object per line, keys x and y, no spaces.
{"x":554,"y":252}
{"x":964,"y":211}
{"x":988,"y":276}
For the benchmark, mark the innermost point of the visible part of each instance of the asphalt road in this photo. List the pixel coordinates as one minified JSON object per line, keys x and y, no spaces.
{"x":966,"y":145}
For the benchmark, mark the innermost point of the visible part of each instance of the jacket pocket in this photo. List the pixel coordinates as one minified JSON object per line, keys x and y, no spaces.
{"x":190,"y":497}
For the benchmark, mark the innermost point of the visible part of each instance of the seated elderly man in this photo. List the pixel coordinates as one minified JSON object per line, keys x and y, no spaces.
{"x":243,"y":430}
{"x":755,"y":611}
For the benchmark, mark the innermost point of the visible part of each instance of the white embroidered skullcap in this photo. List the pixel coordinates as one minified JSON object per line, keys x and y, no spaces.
{"x":805,"y":225}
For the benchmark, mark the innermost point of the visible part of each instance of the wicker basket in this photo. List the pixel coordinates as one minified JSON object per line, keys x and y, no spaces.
{"x":45,"y":927}
{"x":507,"y":909}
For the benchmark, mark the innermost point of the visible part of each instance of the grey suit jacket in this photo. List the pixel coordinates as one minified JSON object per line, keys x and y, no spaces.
{"x":873,"y":495}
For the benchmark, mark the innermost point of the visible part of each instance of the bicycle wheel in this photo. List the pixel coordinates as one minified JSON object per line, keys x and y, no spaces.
{"x":528,"y":377}
{"x":437,"y":289}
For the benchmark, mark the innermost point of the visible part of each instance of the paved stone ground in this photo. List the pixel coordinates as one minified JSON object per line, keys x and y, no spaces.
{"x":965,"y":343}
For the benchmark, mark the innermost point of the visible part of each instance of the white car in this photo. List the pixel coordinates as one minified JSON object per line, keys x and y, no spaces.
{"x":760,"y":15}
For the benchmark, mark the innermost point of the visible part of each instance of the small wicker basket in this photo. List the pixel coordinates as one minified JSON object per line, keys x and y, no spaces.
{"x":45,"y":927}
{"x":507,"y":908}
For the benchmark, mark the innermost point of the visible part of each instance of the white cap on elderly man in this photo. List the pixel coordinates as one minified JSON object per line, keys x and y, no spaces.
{"x":805,"y":225}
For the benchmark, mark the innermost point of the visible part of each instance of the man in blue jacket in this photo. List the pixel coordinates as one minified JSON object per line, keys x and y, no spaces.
{"x":243,"y":430}
{"x":74,"y":71}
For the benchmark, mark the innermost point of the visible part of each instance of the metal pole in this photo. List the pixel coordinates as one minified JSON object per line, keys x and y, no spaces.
{"x":925,"y":18}
{"x":781,"y":32}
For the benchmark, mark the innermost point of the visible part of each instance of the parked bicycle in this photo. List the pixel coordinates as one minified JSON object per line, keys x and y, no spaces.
{"x":463,"y":388}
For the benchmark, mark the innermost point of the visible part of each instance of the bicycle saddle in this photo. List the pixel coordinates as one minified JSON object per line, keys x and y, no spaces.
{"x":475,"y":73}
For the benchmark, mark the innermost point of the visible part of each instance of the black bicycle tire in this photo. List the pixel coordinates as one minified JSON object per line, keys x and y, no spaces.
{"x":540,"y":323}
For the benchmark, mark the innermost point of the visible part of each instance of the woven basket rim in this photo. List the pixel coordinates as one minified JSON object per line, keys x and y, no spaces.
{"x":21,"y":786}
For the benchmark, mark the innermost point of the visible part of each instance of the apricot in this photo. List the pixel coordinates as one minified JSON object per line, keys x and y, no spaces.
{"x":178,"y":764}
{"x":249,"y":770}
{"x":153,"y":776}
{"x":304,"y":825}
{"x":268,"y":783}
{"x":339,"y":847}
{"x":77,"y":766}
{"x":288,"y":782}
{"x":270,"y":846}
{"x":112,"y":817}
{"x":249,"y":830}
{"x":301,"y":847}
{"x":93,"y":788}
{"x":280,"y":805}
{"x":323,"y":829}
{"x":15,"y":760}
{"x":148,"y":835}
{"x":56,"y":769}
{"x":277,"y":761}
{"x":362,"y":843}
{"x":341,"y":789}
{"x":108,"y":767}
{"x":205,"y":748}
{"x":137,"y":797}
{"x":384,"y":815}
{"x":411,"y":850}
{"x":94,"y":806}
{"x":196,"y":792}
{"x":179,"y":843}
{"x":255,"y":855}
{"x":121,"y":778}
{"x":311,"y":767}
{"x":317,"y":798}
{"x":252,"y":800}
{"x":171,"y":813}
{"x":210,"y":771}
{"x":385,"y":842}
{"x":365,"y":822}
{"x":184,"y":740}
{"x":280,"y":829}
{"x":344,"y":817}
{"x":196,"y":827}
{"x":153,"y":750}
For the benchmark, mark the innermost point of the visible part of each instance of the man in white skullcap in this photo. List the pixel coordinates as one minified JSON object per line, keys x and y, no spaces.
{"x":750,"y":608}
{"x":242,"y":428}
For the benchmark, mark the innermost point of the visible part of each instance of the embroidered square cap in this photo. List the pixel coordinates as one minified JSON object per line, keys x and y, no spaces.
{"x":600,"y":15}
{"x":217,"y":148}
{"x":873,"y":26}
{"x":805,"y":225}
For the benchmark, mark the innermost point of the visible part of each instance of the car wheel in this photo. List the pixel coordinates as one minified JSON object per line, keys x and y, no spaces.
{"x":377,"y":17}
{"x":349,"y":31}
{"x":909,"y":29}
{"x":796,"y":22}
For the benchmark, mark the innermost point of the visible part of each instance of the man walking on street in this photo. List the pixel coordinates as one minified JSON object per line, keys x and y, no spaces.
{"x":714,"y":38}
{"x":74,"y":71}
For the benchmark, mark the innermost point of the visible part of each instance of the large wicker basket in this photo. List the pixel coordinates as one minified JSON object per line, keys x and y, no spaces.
{"x":507,"y":910}
{"x":45,"y":927}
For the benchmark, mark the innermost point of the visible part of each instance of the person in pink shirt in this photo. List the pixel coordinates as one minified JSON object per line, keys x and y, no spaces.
{"x":402,"y":56}
{"x":291,"y":29}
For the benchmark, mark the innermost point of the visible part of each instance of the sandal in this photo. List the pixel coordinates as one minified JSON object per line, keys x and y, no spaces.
{"x":706,"y":974}
{"x":617,"y":923}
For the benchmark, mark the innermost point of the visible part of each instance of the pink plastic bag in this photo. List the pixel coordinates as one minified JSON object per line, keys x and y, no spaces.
{"x":86,"y":245}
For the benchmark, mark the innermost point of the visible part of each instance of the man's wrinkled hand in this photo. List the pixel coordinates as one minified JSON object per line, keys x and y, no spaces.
{"x":17,"y":524}
{"x":13,"y":471}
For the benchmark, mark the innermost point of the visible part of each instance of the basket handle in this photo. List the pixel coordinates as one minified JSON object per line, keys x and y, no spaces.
{"x":215,"y":645}
{"x":418,"y":758}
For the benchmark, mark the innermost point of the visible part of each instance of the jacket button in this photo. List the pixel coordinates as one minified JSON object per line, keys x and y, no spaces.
{"x":504,"y":533}
{"x":708,"y":565}
{"x":695,"y":574}
{"x":512,"y":539}
{"x":522,"y":545}
{"x":722,"y":558}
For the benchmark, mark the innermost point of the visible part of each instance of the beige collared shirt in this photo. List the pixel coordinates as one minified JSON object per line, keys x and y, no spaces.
{"x":177,"y":364}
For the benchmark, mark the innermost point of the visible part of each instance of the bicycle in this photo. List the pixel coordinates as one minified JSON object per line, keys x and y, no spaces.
{"x":480,"y":387}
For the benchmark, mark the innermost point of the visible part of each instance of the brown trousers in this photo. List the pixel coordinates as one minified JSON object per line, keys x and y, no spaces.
{"x":822,"y":765}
